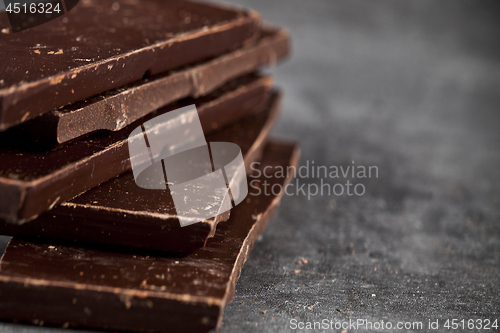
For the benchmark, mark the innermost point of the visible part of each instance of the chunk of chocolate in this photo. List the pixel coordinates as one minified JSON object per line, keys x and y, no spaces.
{"x":32,"y":182}
{"x":119,"y":212}
{"x":104,"y":44}
{"x":117,"y":108}
{"x":89,"y":288}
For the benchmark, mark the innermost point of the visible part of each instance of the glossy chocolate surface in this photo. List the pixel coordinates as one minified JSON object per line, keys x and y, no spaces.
{"x":104,"y":44}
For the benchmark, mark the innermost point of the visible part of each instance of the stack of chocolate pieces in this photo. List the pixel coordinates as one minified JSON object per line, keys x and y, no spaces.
{"x":91,"y":249}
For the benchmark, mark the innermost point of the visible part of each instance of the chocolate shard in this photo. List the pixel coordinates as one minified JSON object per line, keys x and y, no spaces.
{"x":32,"y":182}
{"x":120,"y":213}
{"x":115,"y":109}
{"x":102,"y":45}
{"x":89,"y":288}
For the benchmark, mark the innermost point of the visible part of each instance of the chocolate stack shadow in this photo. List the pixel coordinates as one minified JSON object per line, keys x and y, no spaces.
{"x":92,"y":249}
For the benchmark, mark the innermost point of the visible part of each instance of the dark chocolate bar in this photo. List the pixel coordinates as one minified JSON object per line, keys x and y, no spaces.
{"x":117,"y":108}
{"x":46,"y":284}
{"x":32,"y":182}
{"x":104,"y":44}
{"x":119,"y":212}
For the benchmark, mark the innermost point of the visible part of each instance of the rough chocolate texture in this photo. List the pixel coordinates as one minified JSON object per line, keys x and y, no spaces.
{"x":83,"y":287}
{"x":37,"y":181}
{"x":100,"y":45}
{"x":119,"y":212}
{"x":117,"y":108}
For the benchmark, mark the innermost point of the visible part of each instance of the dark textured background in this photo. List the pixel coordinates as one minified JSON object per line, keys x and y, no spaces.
{"x":412,"y":87}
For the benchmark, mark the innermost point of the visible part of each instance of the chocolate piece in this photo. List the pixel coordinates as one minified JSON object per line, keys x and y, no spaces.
{"x":105,"y":44}
{"x":119,"y":212}
{"x":115,"y":109}
{"x":82,"y":287}
{"x":32,"y":182}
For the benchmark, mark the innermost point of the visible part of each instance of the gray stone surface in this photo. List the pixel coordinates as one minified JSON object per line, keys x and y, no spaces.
{"x":412,"y":87}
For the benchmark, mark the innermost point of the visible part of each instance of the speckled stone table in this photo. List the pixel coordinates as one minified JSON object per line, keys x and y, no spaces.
{"x":413,"y":88}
